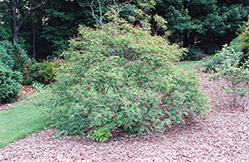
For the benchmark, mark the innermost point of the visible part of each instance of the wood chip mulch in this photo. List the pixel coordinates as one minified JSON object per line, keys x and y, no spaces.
{"x":221,"y":135}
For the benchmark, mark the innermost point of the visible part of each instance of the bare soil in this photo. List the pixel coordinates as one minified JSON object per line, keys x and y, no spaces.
{"x":221,"y":135}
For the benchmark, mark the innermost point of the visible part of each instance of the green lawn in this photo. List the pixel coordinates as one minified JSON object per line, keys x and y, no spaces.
{"x":21,"y":120}
{"x":188,"y":65}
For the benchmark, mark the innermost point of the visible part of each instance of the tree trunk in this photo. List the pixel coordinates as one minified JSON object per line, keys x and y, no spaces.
{"x":33,"y":31}
{"x":14,"y":26}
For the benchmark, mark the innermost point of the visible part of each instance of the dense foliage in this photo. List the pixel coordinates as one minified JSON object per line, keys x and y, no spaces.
{"x":244,"y":40}
{"x":9,"y":83}
{"x":201,"y":25}
{"x":239,"y":45}
{"x":46,"y":73}
{"x":204,"y":24}
{"x":14,"y":57}
{"x":121,"y":77}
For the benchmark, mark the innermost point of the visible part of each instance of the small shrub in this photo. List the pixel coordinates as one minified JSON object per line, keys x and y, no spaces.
{"x":46,"y":73}
{"x":122,"y":77}
{"x":30,"y":71}
{"x":6,"y":51}
{"x":211,"y":63}
{"x":9,"y":83}
{"x":234,"y":74}
{"x":40,"y":72}
{"x":15,"y":57}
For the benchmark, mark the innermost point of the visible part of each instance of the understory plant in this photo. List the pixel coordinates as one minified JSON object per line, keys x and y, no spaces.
{"x":121,"y":77}
{"x":15,"y":58}
{"x":235,"y":75}
{"x":9,"y":83}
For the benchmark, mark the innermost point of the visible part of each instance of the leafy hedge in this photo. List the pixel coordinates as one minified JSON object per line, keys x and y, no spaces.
{"x":121,"y":77}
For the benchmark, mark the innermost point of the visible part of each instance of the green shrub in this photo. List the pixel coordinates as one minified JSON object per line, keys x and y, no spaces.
{"x":46,"y":73}
{"x":6,"y":51}
{"x":235,"y":76}
{"x":9,"y":83}
{"x":210,"y":63}
{"x":244,"y":36}
{"x":15,"y":57}
{"x":121,"y":77}
{"x":30,"y":71}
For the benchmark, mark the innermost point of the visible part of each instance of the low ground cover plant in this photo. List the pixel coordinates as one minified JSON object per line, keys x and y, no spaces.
{"x":121,"y":77}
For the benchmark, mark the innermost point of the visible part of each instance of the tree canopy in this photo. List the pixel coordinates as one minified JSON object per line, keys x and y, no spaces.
{"x":196,"y":24}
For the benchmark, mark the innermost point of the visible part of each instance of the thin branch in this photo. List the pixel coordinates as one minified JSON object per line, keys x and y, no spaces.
{"x":100,"y":20}
{"x":37,"y":5}
{"x":100,"y":10}
{"x":30,"y":12}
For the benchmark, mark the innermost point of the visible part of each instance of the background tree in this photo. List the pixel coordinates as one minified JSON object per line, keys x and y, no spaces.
{"x":18,"y":16}
{"x":204,"y":24}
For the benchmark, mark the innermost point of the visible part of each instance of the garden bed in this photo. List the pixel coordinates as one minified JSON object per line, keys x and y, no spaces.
{"x":221,"y":135}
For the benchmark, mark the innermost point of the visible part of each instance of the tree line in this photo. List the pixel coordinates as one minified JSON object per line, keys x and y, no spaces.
{"x":44,"y":27}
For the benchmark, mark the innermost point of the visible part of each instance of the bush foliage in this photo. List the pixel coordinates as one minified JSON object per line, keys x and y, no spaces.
{"x":14,"y":57}
{"x":121,"y":77}
{"x":238,"y":45}
{"x":9,"y":83}
{"x":235,"y":74}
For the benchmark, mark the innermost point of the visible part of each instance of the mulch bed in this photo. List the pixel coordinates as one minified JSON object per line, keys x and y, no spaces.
{"x":221,"y":135}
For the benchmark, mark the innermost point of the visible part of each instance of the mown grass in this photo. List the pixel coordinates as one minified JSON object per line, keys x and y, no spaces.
{"x":21,"y":120}
{"x":188,"y":65}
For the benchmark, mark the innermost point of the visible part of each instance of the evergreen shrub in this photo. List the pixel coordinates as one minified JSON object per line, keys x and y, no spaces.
{"x":15,"y":57}
{"x":9,"y":83}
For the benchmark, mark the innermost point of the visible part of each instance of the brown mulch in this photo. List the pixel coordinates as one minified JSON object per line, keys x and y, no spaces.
{"x":27,"y":90}
{"x":221,"y":135}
